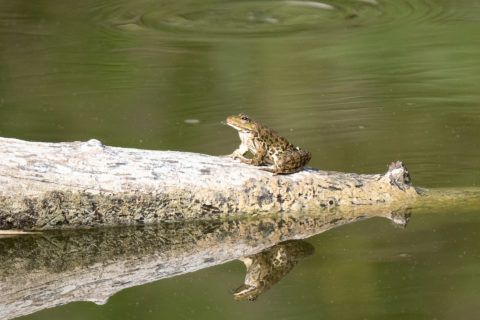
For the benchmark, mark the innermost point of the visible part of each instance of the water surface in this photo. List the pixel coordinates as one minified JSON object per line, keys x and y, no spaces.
{"x":358,"y":83}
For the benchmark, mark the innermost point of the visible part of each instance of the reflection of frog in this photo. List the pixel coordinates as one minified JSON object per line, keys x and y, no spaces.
{"x":266,"y":146}
{"x":400,"y":217}
{"x":266,"y":268}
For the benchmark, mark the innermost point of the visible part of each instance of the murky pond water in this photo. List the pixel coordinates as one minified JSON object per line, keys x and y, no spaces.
{"x":358,"y":83}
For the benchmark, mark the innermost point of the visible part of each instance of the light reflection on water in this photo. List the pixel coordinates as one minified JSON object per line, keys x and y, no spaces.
{"x":359,"y":85}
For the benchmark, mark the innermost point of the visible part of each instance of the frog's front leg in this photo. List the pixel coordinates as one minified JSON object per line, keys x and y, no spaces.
{"x":239,"y":153}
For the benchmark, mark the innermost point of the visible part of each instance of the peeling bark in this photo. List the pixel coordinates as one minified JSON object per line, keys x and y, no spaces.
{"x":74,"y":184}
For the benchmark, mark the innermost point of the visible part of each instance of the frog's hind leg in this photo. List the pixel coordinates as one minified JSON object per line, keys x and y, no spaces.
{"x":258,"y":158}
{"x":279,"y":170}
{"x":292,"y":162}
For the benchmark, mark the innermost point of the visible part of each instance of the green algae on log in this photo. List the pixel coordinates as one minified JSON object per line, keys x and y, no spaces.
{"x":73,"y":184}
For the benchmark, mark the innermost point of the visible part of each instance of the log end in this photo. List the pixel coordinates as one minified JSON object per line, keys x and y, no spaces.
{"x":399,"y":175}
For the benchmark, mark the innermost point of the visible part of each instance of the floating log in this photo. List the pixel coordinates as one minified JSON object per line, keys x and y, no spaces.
{"x":74,"y":184}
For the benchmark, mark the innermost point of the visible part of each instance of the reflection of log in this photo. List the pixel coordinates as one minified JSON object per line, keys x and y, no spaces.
{"x":40,"y":271}
{"x":50,"y":185}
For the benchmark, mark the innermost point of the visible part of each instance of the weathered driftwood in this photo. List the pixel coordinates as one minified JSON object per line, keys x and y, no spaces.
{"x":39,"y":271}
{"x":51,"y":185}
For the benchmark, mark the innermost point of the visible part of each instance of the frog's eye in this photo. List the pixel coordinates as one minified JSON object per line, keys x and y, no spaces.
{"x":244,"y":118}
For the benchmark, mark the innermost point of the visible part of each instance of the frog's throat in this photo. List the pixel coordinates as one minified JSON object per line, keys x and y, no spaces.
{"x":237,"y":128}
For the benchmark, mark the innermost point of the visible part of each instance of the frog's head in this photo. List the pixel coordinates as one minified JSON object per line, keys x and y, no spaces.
{"x":242,"y":122}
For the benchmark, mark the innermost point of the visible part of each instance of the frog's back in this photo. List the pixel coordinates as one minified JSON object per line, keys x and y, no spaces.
{"x":272,"y":139}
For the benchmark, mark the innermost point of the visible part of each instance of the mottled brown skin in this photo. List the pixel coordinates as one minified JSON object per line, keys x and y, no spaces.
{"x":266,"y":146}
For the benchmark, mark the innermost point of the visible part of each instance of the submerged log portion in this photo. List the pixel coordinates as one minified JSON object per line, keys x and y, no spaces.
{"x":54,"y":185}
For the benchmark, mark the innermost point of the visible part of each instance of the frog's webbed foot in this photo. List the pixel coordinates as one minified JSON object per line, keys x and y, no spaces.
{"x":235,"y":155}
{"x":269,"y":169}
{"x":280,"y":171}
{"x":244,"y":160}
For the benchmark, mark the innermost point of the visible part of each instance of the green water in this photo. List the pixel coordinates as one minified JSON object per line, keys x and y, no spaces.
{"x":357,"y":83}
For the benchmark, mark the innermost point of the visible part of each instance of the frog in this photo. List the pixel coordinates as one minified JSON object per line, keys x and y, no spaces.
{"x":271,"y":152}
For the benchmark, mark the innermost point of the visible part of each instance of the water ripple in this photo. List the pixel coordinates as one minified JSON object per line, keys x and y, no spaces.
{"x":261,"y":18}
